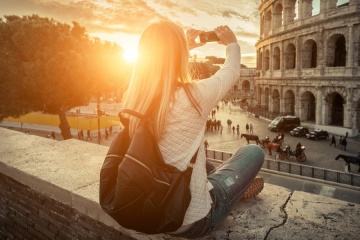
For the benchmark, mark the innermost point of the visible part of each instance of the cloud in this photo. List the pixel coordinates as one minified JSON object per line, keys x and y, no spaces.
{"x":121,"y":17}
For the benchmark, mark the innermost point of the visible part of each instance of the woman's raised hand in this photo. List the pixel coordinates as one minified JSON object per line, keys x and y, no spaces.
{"x":225,"y":34}
{"x":191,"y":35}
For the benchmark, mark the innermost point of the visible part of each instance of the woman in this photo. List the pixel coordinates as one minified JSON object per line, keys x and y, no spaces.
{"x":162,"y":89}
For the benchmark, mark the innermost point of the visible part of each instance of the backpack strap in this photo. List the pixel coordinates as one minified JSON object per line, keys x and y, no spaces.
{"x":193,"y":160}
{"x":142,"y":117}
{"x":132,"y":112}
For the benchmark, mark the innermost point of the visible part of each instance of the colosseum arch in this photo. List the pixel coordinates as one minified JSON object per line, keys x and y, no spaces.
{"x":245,"y":85}
{"x":336,"y":51}
{"x":290,"y":56}
{"x":307,"y":107}
{"x":335,"y":109}
{"x":267,"y":60}
{"x":309,"y":54}
{"x":289,"y":103}
{"x":278,"y":16}
{"x":276,"y":59}
{"x":268,"y":18}
{"x":276,"y":101}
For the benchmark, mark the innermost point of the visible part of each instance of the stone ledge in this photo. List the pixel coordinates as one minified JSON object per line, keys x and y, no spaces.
{"x":68,"y":172}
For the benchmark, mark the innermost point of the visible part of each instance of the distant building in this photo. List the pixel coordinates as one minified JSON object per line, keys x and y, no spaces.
{"x":308,"y":62}
{"x":245,"y":87}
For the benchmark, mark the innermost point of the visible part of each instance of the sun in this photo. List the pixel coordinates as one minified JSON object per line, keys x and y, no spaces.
{"x":130,"y":55}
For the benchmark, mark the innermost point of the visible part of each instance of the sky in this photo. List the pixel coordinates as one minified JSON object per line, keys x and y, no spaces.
{"x":123,"y":21}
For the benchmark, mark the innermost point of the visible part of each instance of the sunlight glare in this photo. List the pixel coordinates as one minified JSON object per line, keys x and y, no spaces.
{"x":130,"y":55}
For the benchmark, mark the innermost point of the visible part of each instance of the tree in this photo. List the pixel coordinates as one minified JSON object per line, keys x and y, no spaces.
{"x":51,"y":67}
{"x":215,"y":60}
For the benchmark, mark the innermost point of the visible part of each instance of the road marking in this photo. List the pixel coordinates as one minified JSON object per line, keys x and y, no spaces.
{"x":327,"y":191}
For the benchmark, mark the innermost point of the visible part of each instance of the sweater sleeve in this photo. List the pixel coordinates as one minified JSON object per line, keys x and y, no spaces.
{"x":213,"y":89}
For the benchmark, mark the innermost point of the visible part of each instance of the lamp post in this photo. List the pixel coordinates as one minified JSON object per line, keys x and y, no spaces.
{"x":99,"y":114}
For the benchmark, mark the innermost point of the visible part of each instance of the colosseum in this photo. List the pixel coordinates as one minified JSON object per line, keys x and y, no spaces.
{"x":308,"y":62}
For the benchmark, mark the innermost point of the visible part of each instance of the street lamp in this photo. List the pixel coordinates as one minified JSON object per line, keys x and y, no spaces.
{"x":99,"y":114}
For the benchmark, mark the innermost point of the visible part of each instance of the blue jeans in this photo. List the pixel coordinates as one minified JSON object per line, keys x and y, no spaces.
{"x":230,"y":181}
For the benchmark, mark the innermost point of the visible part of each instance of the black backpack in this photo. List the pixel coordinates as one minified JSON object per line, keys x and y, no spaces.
{"x":137,"y":188}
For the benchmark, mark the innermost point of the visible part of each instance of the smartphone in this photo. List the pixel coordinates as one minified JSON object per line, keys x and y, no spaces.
{"x":208,"y":37}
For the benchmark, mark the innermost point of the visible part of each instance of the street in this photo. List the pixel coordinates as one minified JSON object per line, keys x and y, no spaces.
{"x":319,"y":153}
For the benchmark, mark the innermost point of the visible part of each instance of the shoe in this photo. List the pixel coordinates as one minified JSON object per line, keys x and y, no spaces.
{"x":254,"y":189}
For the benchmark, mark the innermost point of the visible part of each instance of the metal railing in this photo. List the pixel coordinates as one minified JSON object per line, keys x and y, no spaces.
{"x":295,"y":169}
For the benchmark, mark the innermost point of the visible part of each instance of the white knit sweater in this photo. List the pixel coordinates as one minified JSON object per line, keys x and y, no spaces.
{"x":184,"y":130}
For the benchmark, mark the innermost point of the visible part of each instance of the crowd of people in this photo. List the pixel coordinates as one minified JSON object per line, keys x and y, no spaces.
{"x":89,"y":136}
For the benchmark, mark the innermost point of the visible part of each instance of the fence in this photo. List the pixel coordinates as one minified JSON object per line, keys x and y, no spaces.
{"x":296,"y":169}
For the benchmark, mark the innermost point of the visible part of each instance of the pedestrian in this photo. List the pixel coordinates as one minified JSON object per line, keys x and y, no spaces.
{"x":344,"y":143}
{"x":99,"y":137}
{"x":233,"y":128}
{"x":247,"y":128}
{"x":340,"y":142}
{"x":333,"y":141}
{"x":238,"y":129}
{"x":251,"y":129}
{"x":229,"y":122}
{"x":106,"y":133}
{"x":88,"y":135}
{"x":183,"y":101}
{"x":221,"y":128}
{"x":206,"y":144}
{"x":282,"y":137}
{"x":82,"y":135}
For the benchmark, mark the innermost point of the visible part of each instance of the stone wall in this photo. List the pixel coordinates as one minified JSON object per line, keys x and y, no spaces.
{"x":49,"y":190}
{"x":27,"y":214}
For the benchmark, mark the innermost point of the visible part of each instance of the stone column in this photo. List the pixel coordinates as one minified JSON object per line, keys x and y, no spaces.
{"x":353,"y":2}
{"x":282,"y":100}
{"x":322,"y":6}
{"x":271,"y":60}
{"x":350,"y":48}
{"x":271,"y":102}
{"x":347,"y":108}
{"x":263,"y":61}
{"x":319,"y":104}
{"x":322,"y":49}
{"x":282,"y":59}
{"x":297,"y":107}
{"x":300,"y":13}
{"x":298,"y":56}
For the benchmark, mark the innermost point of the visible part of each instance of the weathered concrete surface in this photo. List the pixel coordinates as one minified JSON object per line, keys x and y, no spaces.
{"x":68,"y":171}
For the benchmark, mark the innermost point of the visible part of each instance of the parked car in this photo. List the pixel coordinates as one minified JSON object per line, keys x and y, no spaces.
{"x":299,"y":131}
{"x":317,"y":134}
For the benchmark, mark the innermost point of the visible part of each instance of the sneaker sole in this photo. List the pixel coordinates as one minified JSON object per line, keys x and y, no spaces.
{"x":254,"y":189}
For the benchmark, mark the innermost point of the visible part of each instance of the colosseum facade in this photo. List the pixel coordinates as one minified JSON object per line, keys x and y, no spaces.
{"x":308,"y":62}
